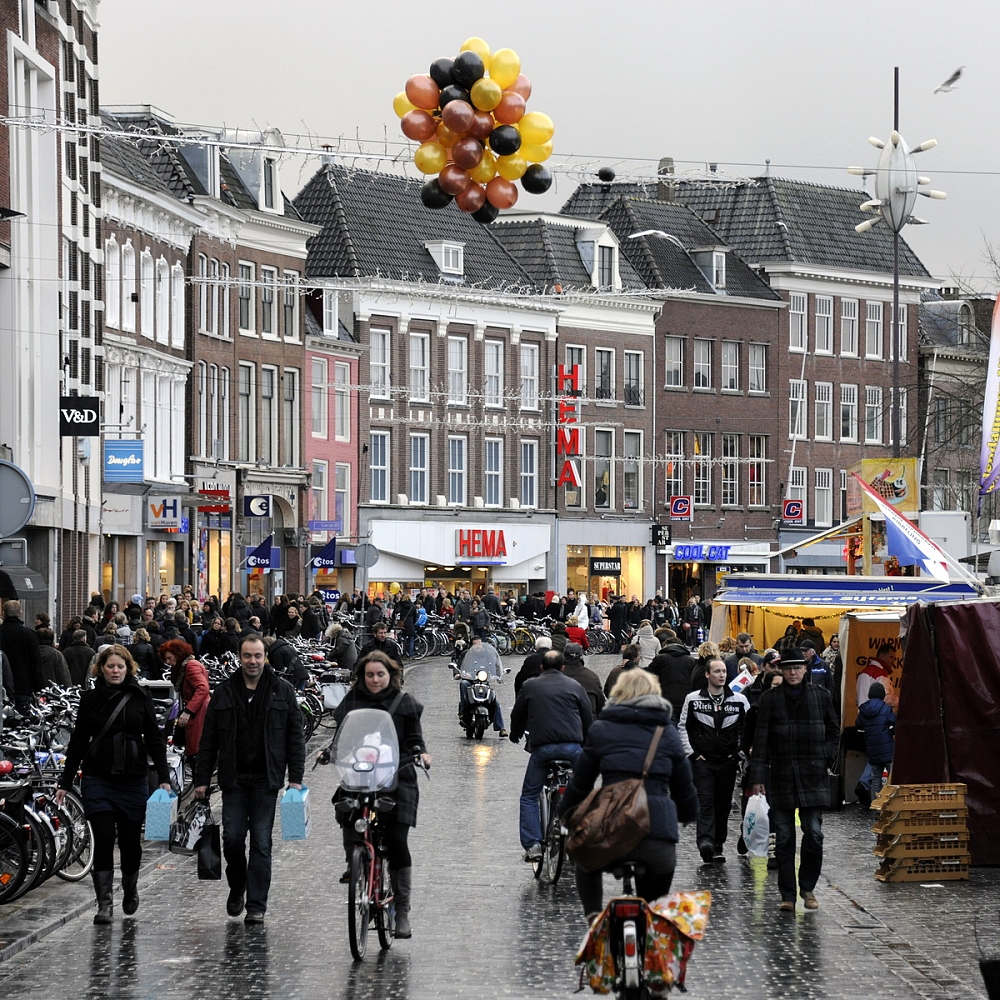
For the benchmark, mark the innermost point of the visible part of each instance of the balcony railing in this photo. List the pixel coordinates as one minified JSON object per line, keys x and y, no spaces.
{"x":604,"y":390}
{"x":633,"y":395}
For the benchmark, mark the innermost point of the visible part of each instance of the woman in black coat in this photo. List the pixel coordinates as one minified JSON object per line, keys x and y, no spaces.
{"x":114,"y":784}
{"x":616,"y":749}
{"x":145,"y":656}
{"x":379,"y":685}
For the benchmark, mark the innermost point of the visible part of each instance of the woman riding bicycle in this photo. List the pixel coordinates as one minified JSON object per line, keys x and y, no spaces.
{"x":616,"y":748}
{"x":378,"y":685}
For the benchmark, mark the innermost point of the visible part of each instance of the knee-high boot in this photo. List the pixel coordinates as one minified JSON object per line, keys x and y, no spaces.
{"x":130,"y":893}
{"x":104,"y":890}
{"x":402,"y":882}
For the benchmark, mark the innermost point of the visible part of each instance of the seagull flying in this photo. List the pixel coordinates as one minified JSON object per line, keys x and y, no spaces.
{"x":949,"y":84}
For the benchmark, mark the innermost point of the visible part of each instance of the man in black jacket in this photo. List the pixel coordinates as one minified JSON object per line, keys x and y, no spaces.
{"x":254,"y":729}
{"x":673,"y":666}
{"x":78,"y":655}
{"x":744,"y":650}
{"x":555,"y":711}
{"x":584,"y":676}
{"x":711,"y":732}
{"x":20,"y":643}
{"x":380,"y":640}
{"x":618,"y":616}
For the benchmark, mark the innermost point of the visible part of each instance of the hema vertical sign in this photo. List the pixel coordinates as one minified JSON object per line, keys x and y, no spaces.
{"x":123,"y":462}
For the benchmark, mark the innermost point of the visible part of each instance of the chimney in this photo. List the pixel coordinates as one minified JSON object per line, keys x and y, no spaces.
{"x":665,"y":179}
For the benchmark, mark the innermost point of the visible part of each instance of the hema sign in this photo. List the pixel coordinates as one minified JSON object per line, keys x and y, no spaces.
{"x":123,"y":462}
{"x":79,"y":416}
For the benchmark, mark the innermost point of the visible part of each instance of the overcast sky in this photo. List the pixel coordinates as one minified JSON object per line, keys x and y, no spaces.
{"x":734,"y":83}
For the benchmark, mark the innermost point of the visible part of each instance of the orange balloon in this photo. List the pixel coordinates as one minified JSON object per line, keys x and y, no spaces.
{"x":486,"y":169}
{"x":522,"y":86}
{"x":458,"y":116}
{"x":418,"y":125}
{"x":453,"y":179}
{"x":445,"y":136}
{"x":472,"y":198}
{"x":510,"y":109}
{"x":467,"y":152}
{"x":501,"y":193}
{"x":423,"y":92}
{"x":482,"y":125}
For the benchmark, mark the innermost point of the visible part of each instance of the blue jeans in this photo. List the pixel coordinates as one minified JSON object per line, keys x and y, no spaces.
{"x":811,"y":861}
{"x":249,"y":808}
{"x":530,"y":823}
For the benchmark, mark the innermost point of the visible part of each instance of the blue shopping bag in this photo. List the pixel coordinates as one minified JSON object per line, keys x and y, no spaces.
{"x":295,"y":818}
{"x":161,"y":812}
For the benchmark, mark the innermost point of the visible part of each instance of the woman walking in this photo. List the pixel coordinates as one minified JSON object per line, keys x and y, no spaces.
{"x":115,"y":731}
{"x":190,"y":681}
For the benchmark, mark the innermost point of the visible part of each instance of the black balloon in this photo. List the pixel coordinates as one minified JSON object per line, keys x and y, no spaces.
{"x":432,"y":196}
{"x":486,"y":214}
{"x":505,"y":140}
{"x":537,"y":179}
{"x":442,"y":72}
{"x":468,"y":68}
{"x":606,"y":174}
{"x":454,"y":93}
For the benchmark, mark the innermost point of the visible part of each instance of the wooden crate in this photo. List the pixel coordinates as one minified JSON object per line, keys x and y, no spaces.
{"x":929,"y":821}
{"x":920,"y":797}
{"x":922,"y":845}
{"x":910,"y":869}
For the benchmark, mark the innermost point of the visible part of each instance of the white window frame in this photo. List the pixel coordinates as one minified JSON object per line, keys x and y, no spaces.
{"x":202,"y":293}
{"x":965,"y":425}
{"x":630,"y":386}
{"x":177,"y":306}
{"x":823,"y":413}
{"x":457,"y":471}
{"x":528,"y":476}
{"x":719,"y":268}
{"x":201,"y":387}
{"x":245,"y":293}
{"x":290,"y":306}
{"x":874,"y":332}
{"x":493,"y":472}
{"x":874,"y":415}
{"x":703,"y":469}
{"x":418,"y":452}
{"x":824,"y":325}
{"x":576,"y":354}
{"x":849,"y":328}
{"x":632,"y":467}
{"x":458,"y":371}
{"x":112,"y":282}
{"x":146,"y":294}
{"x":604,"y":391}
{"x":673,"y":362}
{"x":823,"y":497}
{"x":493,"y":372}
{"x":797,"y":488}
{"x":849,"y":409}
{"x":757,"y":470}
{"x":608,"y":460}
{"x":225,"y":292}
{"x":529,"y":377}
{"x":319,"y":404}
{"x":798,"y":413}
{"x":379,"y":359}
{"x":291,"y":417}
{"x":702,"y":360}
{"x":223,"y":412}
{"x":730,"y":366}
{"x":342,"y":496}
{"x":420,"y":363}
{"x":246,"y":415}
{"x":902,"y":335}
{"x":270,"y":403}
{"x":731,"y":470}
{"x":319,"y":490}
{"x":161,"y":289}
{"x":798,"y":335}
{"x":673,"y":466}
{"x":269,"y":303}
{"x":330,"y":316}
{"x":379,"y":444}
{"x":215,"y":294}
{"x":128,"y":287}
{"x":342,"y":401}
{"x":757,"y":383}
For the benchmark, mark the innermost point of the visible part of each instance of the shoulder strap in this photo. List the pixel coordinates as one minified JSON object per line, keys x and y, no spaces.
{"x":111,"y":718}
{"x":395,"y":702}
{"x":651,"y":752}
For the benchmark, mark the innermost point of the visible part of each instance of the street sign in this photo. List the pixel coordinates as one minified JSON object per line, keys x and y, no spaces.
{"x":256,"y":506}
{"x":326,"y":525}
{"x":366,"y":555}
{"x":17,"y":499}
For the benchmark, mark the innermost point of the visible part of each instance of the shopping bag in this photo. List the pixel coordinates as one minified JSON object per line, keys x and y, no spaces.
{"x":295,"y":817}
{"x":161,"y":814}
{"x":210,"y":853}
{"x":192,"y":818}
{"x":741,"y":681}
{"x":756,"y":826}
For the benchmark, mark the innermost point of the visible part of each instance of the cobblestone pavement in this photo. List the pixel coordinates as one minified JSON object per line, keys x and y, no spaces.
{"x":483,"y":927}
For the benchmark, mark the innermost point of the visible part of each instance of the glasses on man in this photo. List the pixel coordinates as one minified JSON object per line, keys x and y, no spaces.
{"x":793,"y":666}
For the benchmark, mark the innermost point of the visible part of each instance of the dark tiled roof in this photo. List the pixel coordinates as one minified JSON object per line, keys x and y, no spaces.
{"x":770,"y":219}
{"x":375,"y":225}
{"x":940,"y":324}
{"x":125,"y":160}
{"x":548,"y":252}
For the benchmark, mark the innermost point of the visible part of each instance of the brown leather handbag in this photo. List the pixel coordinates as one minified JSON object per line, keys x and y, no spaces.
{"x":611,"y":820}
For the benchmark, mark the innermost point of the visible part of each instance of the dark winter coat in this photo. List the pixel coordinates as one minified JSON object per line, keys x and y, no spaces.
{"x":732,"y":662}
{"x":673,"y":666}
{"x":795,"y":742}
{"x":531,"y":667}
{"x":876,"y":717}
{"x":409,"y":736}
{"x":551,"y":708}
{"x":215,"y":643}
{"x":54,"y":668}
{"x":284,"y":746}
{"x":406,"y":617}
{"x":589,"y":681}
{"x":345,"y":652}
{"x":78,"y":656}
{"x":713,"y":731}
{"x":618,"y":616}
{"x":145,"y":656}
{"x":137,"y":720}
{"x":21,"y":646}
{"x":283,"y":656}
{"x":616,"y":748}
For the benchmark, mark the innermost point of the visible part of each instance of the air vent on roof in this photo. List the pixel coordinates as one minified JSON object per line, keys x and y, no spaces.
{"x":711,"y":215}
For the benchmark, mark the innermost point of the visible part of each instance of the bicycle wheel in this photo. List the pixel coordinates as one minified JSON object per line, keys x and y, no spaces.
{"x":62,"y":827}
{"x":385,"y":909}
{"x":523,"y":641}
{"x":13,"y":857}
{"x":543,"y":815}
{"x":81,"y":854}
{"x":420,"y":647}
{"x":555,"y":843}
{"x":358,"y":909}
{"x":34,"y":839}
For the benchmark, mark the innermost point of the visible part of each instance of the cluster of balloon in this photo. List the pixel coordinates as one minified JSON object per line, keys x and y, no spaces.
{"x":476,"y":136}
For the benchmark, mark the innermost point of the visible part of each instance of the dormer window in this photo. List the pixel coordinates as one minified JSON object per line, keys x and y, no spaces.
{"x":204,"y":163}
{"x":449,"y":257}
{"x":605,"y":268}
{"x":269,"y":182}
{"x":719,"y":269}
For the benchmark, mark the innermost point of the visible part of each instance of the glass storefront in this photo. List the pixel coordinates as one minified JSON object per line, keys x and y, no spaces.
{"x":164,"y":565}
{"x":214,"y":560}
{"x":606,"y":570}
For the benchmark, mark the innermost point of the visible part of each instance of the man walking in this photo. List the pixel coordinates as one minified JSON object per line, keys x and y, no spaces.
{"x":795,"y":743}
{"x":711,"y":731}
{"x":254,"y":729}
{"x":20,"y":643}
{"x":555,"y":711}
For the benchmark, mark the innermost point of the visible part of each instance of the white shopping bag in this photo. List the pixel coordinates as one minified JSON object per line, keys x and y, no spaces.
{"x":756,"y":826}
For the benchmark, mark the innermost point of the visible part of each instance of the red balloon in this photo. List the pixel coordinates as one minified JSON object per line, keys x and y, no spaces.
{"x":418,"y":125}
{"x":423,"y":92}
{"x":6,"y":766}
{"x":522,"y":86}
{"x":453,"y":179}
{"x":472,"y":198}
{"x":501,"y":193}
{"x":467,"y":153}
{"x":482,"y":125}
{"x":458,"y":116}
{"x":510,"y":109}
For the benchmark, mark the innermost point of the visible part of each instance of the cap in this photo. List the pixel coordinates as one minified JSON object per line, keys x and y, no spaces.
{"x":573,"y":651}
{"x":136,"y":598}
{"x":807,"y":644}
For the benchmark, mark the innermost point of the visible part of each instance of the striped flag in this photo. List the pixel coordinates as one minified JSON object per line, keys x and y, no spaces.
{"x":989,"y":465}
{"x":905,"y":540}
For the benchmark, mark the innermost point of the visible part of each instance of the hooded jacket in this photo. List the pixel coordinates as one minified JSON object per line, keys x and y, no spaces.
{"x":875,"y":717}
{"x":673,"y":666}
{"x":551,"y":708}
{"x":648,"y":645}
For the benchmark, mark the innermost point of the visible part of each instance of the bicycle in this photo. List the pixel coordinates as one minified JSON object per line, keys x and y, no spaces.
{"x":557,"y":776}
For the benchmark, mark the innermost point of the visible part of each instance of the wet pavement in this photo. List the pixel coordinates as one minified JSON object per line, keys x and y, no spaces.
{"x":483,"y":927}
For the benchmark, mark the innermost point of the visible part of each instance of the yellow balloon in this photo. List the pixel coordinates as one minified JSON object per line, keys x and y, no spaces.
{"x":505,"y":67}
{"x":394,"y":588}
{"x":478,"y":46}
{"x":486,"y":94}
{"x":401,"y":104}
{"x":486,"y":169}
{"x":536,"y":128}
{"x":511,"y":168}
{"x":536,"y":154}
{"x":430,"y":158}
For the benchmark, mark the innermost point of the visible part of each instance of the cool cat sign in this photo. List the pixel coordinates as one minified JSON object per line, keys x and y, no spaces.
{"x":701,"y":553}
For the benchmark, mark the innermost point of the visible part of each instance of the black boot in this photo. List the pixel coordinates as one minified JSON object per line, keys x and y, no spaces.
{"x":104,"y":889}
{"x":401,"y":884}
{"x":130,"y":893}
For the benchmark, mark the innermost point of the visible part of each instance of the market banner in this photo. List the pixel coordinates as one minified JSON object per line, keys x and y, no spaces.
{"x":989,"y":466}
